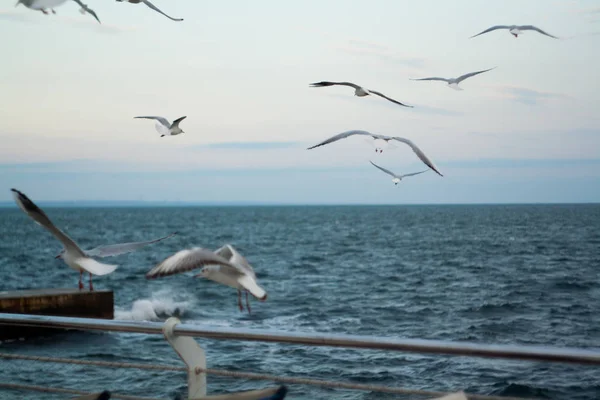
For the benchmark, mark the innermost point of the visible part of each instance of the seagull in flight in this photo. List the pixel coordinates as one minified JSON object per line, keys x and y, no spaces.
{"x":73,"y":256}
{"x":396,"y":178}
{"x":165,"y":128}
{"x":386,"y":139}
{"x":152,"y":6}
{"x":515,"y":30}
{"x":112,"y":250}
{"x":225,"y":266}
{"x":453,"y":82}
{"x":44,"y":5}
{"x":358,"y":90}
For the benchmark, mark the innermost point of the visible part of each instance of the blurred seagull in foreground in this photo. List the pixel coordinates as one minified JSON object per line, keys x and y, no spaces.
{"x":112,"y":250}
{"x":383,"y":138}
{"x":515,"y":30}
{"x":152,"y":6}
{"x":225,"y":266}
{"x":358,"y":90}
{"x":453,"y":396}
{"x":165,"y":128}
{"x":453,"y":82}
{"x":279,"y":394}
{"x":73,"y":256}
{"x":396,"y":178}
{"x":96,"y":396}
{"x":44,"y":5}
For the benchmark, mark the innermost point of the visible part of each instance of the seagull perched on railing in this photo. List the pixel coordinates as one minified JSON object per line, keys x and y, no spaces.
{"x":165,"y":128}
{"x":386,"y":139}
{"x":96,"y":396}
{"x":453,"y":82}
{"x":515,"y":30}
{"x":225,"y":266}
{"x":44,"y":5}
{"x":396,"y":178}
{"x":152,"y":6}
{"x":73,"y":256}
{"x":358,"y":90}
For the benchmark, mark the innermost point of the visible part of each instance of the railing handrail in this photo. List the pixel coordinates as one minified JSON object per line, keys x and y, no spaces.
{"x":532,"y":353}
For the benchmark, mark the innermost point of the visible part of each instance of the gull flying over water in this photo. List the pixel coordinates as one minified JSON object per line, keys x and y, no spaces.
{"x":386,"y":139}
{"x":515,"y":30}
{"x":396,"y":178}
{"x":152,"y":6}
{"x":358,"y":90}
{"x":73,"y":256}
{"x":44,"y":5}
{"x":118,"y":249}
{"x":225,"y":266}
{"x":165,"y":128}
{"x":453,"y":82}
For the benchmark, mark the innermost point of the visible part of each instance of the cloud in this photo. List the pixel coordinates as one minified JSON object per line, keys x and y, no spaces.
{"x":382,"y":52}
{"x":251,"y":145}
{"x":528,"y":96}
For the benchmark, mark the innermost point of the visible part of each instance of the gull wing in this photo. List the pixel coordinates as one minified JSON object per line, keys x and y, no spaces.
{"x":163,"y":121}
{"x":493,"y":28}
{"x":419,"y":153}
{"x":470,"y":74}
{"x":188,"y":260}
{"x":433,"y":78}
{"x":387,"y":98}
{"x":122,"y":248}
{"x":414,"y":173}
{"x":229,"y":253}
{"x":326,"y":83}
{"x":383,"y":169}
{"x":533,"y":28}
{"x":152,"y":6}
{"x":36,"y":213}
{"x":342,"y":135}
{"x":85,"y":8}
{"x":177,"y":121}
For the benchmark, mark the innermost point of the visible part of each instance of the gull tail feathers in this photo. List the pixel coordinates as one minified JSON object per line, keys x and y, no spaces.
{"x":94,"y":267}
{"x":250,"y":285}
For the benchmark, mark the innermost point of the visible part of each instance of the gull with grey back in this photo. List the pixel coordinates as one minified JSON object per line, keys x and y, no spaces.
{"x":453,"y":82}
{"x":358,"y":90}
{"x":396,"y":178}
{"x":383,"y":138}
{"x":73,"y":256}
{"x":45,"y":5}
{"x":225,"y":266}
{"x":515,"y":30}
{"x":164,"y":127}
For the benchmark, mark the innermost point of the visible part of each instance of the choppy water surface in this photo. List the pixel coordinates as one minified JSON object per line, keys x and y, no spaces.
{"x":486,"y":274}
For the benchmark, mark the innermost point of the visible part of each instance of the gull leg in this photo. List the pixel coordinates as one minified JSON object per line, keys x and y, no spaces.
{"x":240,"y":300}
{"x":91,"y":286}
{"x":248,"y":304}
{"x":53,"y":12}
{"x":80,"y":280}
{"x":44,"y":11}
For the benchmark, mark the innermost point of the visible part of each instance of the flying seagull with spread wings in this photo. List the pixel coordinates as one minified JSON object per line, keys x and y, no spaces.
{"x":358,"y":90}
{"x":165,"y":128}
{"x":453,"y":82}
{"x":225,"y":266}
{"x":152,"y":6}
{"x":112,"y":250}
{"x":396,"y":178}
{"x":73,"y":256}
{"x":45,"y":5}
{"x":386,"y":139}
{"x":515,"y":30}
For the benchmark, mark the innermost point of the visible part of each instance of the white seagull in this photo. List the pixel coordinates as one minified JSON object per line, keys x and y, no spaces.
{"x":152,"y":6}
{"x":453,"y":396}
{"x":225,"y":266}
{"x":515,"y":30}
{"x":44,"y":5}
{"x":396,"y":178}
{"x":118,"y":249}
{"x":73,"y":256}
{"x":453,"y":82}
{"x":358,"y":90}
{"x":165,"y":128}
{"x":386,"y":139}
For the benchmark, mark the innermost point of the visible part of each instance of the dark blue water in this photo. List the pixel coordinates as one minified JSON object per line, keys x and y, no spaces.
{"x":487,"y":274}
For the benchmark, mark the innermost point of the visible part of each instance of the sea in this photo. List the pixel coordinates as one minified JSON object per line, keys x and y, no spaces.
{"x":488,"y":274}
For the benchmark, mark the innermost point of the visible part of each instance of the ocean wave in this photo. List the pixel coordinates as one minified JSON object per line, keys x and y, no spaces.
{"x":157,"y":308}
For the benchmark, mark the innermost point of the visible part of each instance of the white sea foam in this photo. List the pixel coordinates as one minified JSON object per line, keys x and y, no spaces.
{"x":160,"y":306}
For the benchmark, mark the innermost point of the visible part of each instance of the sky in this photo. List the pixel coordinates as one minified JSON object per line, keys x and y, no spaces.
{"x":527,"y":131}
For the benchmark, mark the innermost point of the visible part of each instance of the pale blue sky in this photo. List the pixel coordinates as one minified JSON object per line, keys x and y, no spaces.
{"x":528,"y":131}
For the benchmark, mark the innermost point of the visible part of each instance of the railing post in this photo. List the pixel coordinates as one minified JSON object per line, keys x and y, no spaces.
{"x":192,"y":355}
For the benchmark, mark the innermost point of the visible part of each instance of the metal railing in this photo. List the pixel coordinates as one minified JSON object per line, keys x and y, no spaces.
{"x":180,"y":336}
